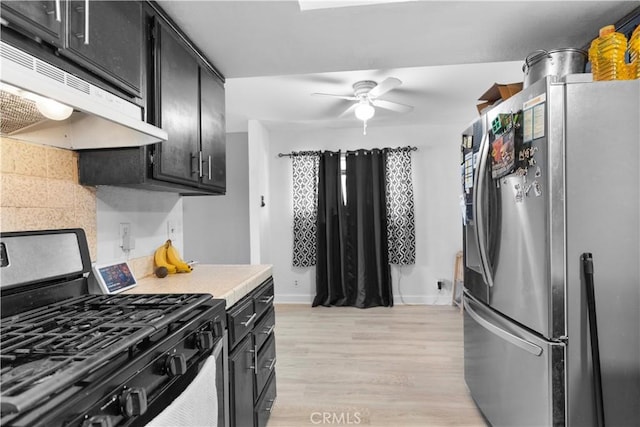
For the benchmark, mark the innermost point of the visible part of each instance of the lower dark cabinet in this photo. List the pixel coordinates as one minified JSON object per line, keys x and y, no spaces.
{"x":266,"y":402}
{"x":241,"y":379}
{"x":252,"y":361}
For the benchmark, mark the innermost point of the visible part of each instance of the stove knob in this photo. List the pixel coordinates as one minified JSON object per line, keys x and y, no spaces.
{"x":205,"y":340}
{"x":133,"y":402}
{"x":176,"y":364}
{"x":98,"y":421}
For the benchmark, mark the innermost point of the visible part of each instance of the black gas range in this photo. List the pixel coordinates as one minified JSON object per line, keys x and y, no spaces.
{"x":70,"y":358}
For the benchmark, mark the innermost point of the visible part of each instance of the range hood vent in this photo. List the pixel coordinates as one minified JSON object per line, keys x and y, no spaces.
{"x":99,"y":119}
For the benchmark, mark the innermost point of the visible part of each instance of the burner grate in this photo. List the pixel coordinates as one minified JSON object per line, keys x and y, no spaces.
{"x":49,"y":348}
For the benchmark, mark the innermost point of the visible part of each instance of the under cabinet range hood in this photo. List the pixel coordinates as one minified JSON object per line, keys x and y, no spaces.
{"x":98,"y":119}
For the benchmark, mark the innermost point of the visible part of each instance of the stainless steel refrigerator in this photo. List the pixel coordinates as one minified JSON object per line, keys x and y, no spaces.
{"x":548,"y":175}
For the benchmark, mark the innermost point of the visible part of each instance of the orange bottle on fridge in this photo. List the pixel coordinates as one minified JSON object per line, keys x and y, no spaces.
{"x":634,"y":53}
{"x":607,"y":55}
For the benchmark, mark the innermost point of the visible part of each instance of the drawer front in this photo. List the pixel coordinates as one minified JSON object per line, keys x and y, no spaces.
{"x":264,"y":328}
{"x":240,"y":321}
{"x":266,"y":363}
{"x":264,"y":297}
{"x":266,"y":402}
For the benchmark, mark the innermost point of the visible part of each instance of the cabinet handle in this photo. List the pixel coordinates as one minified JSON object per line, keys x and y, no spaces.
{"x":268,"y":330}
{"x":255,"y":359}
{"x":249,"y":320}
{"x":266,"y":300}
{"x":79,"y":9}
{"x":58,"y":18}
{"x":270,"y":408}
{"x":86,"y":21}
{"x":271,"y":365}
{"x":208,"y":164}
{"x":200,"y":164}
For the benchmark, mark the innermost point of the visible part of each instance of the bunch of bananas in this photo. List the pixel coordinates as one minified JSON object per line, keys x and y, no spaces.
{"x":167,"y":256}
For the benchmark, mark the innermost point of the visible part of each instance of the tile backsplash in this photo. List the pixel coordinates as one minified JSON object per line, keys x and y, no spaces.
{"x":40,"y":190}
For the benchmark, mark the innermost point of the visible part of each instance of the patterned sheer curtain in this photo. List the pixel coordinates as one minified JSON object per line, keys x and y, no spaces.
{"x":305,"y":208}
{"x":401,"y":228}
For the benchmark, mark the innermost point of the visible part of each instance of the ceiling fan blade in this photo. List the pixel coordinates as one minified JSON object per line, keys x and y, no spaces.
{"x":385,"y":86}
{"x":350,"y":110}
{"x":350,"y":98}
{"x":393,"y":106}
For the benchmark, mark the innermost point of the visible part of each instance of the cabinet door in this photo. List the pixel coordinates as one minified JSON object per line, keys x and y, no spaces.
{"x":115,"y":45}
{"x":177,"y":110}
{"x":212,"y":131}
{"x":44,"y":19}
{"x":265,"y":404}
{"x":241,"y":380}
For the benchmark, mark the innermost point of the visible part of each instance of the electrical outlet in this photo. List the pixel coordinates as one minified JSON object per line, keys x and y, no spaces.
{"x":126,"y":237}
{"x":171,"y":230}
{"x":295,"y":283}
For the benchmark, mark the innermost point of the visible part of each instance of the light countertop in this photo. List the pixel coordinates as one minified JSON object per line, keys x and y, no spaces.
{"x":228,"y":282}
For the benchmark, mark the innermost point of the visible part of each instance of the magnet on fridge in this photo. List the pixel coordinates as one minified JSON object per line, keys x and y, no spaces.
{"x":538,"y":172}
{"x":519,"y":196}
{"x":532,"y":161}
{"x":537,"y":188}
{"x":526,"y":189}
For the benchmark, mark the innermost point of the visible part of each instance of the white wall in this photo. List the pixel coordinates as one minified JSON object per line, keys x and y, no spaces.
{"x":146,"y":211}
{"x":259,"y":216}
{"x":216,"y":228}
{"x":436,"y":189}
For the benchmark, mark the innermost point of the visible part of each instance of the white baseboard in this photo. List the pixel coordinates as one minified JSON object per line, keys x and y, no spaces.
{"x":293,"y":299}
{"x":422,"y":299}
{"x":444,"y":299}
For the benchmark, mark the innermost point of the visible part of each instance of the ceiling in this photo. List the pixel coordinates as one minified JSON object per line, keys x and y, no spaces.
{"x":447,"y":53}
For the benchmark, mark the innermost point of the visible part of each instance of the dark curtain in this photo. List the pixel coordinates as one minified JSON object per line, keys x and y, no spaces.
{"x":352,"y":265}
{"x":369,"y":273}
{"x":331,"y":235}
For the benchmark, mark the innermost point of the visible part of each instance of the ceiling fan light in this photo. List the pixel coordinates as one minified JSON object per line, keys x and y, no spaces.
{"x":364,"y":111}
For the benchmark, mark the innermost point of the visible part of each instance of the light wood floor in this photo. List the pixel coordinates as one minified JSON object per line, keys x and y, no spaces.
{"x":400,"y":366}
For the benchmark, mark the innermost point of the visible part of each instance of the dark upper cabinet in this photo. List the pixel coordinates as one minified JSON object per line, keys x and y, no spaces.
{"x":114,"y":48}
{"x":186,"y":98}
{"x":177,"y":96}
{"x":189,"y":102}
{"x":104,"y":37}
{"x":212,"y":131}
{"x":43,"y":19}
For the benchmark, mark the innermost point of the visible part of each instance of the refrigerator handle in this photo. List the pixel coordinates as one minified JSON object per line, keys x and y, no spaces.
{"x":507,"y":336}
{"x":587,"y":276}
{"x":478,"y":213}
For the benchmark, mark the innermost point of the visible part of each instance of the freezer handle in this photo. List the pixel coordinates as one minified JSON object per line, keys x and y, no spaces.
{"x":507,"y":336}
{"x":478,"y":213}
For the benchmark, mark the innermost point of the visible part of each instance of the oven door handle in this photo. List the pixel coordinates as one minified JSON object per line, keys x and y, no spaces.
{"x":217,"y":348}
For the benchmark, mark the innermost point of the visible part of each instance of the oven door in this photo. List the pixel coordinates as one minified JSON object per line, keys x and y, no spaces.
{"x":202,"y":397}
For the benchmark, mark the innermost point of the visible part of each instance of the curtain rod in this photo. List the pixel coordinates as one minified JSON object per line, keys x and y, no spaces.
{"x":408,"y":147}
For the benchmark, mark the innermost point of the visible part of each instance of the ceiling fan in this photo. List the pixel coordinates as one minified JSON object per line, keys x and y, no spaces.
{"x":367,"y":93}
